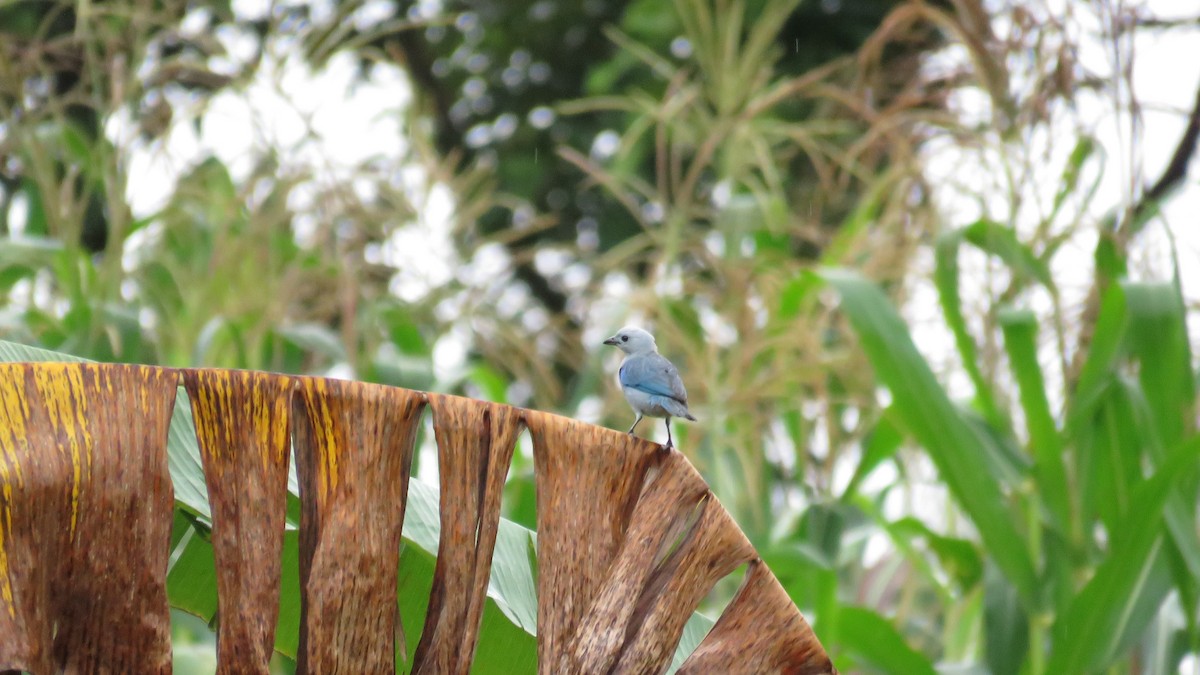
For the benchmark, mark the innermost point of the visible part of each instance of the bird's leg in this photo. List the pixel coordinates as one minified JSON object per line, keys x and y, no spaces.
{"x":635,"y":423}
{"x":670,"y":443}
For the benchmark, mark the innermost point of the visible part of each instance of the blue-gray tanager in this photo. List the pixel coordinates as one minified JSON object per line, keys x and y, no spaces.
{"x":651,"y":383}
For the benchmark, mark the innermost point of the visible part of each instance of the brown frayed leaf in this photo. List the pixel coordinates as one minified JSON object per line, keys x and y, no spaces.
{"x":661,"y":515}
{"x":85,"y":517}
{"x":709,"y":550}
{"x":760,"y":632}
{"x":588,"y":481}
{"x":475,"y":445}
{"x":630,"y":537}
{"x":243,"y":432}
{"x":353,"y":443}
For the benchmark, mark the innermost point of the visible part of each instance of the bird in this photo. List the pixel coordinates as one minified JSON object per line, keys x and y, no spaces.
{"x":651,"y":382}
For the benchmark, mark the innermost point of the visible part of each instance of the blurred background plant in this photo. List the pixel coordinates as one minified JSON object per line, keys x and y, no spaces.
{"x":467,"y":197}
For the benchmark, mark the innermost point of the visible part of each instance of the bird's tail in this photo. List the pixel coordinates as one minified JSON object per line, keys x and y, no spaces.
{"x":673,"y":407}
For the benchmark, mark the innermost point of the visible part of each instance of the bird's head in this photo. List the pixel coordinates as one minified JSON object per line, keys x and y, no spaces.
{"x":633,"y":341}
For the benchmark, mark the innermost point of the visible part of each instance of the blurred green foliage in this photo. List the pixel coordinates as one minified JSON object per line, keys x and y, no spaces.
{"x":712,"y":169}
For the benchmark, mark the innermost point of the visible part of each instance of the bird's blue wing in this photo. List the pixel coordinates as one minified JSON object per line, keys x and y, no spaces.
{"x":653,"y":375}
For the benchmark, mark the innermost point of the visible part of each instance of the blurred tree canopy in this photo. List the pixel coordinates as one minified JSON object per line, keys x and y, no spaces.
{"x":692,"y":166}
{"x":482,"y":78}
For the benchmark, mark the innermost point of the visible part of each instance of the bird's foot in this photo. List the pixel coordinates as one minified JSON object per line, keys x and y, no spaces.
{"x":668,"y":446}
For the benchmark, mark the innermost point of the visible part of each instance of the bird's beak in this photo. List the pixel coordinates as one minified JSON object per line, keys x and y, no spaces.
{"x":611,"y":341}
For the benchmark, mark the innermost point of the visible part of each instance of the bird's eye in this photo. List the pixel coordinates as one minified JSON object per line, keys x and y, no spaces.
{"x":624,"y":338}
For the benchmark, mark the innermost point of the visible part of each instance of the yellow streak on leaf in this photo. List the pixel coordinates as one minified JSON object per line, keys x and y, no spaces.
{"x":206,"y":418}
{"x":5,"y":582}
{"x":14,"y":412}
{"x":269,"y":436}
{"x":328,"y":477}
{"x":61,"y":387}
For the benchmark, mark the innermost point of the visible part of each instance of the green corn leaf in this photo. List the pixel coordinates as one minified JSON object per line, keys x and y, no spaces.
{"x":1111,"y":449}
{"x":1000,"y":241}
{"x":928,"y":414}
{"x":1068,"y":184}
{"x":881,"y":444}
{"x":872,"y":639}
{"x":1006,"y":625}
{"x":1124,"y":594}
{"x":945,"y":277}
{"x":1020,"y":341}
{"x":1158,"y":340}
